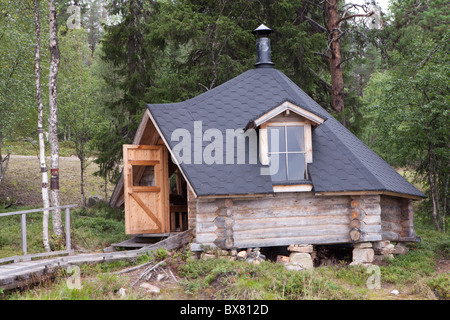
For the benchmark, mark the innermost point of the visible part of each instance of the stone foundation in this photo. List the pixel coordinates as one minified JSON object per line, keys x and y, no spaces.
{"x":367,"y":252}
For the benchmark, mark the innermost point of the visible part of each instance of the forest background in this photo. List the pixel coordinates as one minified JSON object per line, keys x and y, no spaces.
{"x":118,"y":55}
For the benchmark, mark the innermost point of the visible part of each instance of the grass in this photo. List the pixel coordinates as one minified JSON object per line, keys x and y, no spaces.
{"x":414,"y":274}
{"x":28,"y":147}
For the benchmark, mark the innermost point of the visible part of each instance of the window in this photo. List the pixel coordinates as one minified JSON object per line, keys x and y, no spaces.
{"x":287,"y":152}
{"x":143,"y":176}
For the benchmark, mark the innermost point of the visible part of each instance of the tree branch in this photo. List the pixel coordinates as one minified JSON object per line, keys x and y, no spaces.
{"x":321,"y":80}
{"x":354,"y":16}
{"x":316,"y":24}
{"x":345,"y":60}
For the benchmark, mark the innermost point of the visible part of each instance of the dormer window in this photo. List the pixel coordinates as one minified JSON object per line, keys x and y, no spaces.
{"x":287,"y":152}
{"x":285,"y":145}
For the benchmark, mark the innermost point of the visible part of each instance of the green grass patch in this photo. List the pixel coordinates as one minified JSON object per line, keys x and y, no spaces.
{"x":266,"y":281}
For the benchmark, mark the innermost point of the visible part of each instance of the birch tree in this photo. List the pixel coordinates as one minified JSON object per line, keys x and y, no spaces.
{"x":42,"y":161}
{"x":53,"y":119}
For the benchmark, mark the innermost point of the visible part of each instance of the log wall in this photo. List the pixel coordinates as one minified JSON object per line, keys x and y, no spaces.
{"x":397,"y":218}
{"x":282,"y":219}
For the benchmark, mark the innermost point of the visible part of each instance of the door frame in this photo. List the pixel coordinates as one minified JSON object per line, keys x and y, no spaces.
{"x":161,"y":187}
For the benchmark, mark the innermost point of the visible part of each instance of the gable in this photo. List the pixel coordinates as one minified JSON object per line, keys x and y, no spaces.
{"x":286,"y":107}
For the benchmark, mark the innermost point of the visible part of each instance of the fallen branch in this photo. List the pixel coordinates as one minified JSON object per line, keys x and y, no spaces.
{"x":147,"y":271}
{"x":133,"y":268}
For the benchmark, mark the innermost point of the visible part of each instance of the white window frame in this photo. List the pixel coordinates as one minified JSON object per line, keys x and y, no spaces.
{"x":285,"y":125}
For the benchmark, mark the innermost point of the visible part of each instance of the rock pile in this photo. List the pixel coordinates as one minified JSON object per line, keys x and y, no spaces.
{"x":366,"y":252}
{"x":363,"y":253}
{"x":251,"y":255}
{"x":299,"y":259}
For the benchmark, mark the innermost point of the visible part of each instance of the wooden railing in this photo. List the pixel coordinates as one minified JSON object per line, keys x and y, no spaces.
{"x":23,"y":223}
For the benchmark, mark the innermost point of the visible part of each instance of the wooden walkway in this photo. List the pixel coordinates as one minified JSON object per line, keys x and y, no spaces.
{"x":23,"y":274}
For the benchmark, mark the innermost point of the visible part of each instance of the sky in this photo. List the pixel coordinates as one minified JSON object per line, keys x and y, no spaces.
{"x":382,"y":3}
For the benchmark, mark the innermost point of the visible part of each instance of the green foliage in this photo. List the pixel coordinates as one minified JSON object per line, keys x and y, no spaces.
{"x":408,"y":104}
{"x":17,"y":102}
{"x":241,"y":280}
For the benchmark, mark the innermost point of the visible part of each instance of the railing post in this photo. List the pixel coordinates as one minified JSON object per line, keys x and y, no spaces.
{"x":23,"y":224}
{"x":68,"y":244}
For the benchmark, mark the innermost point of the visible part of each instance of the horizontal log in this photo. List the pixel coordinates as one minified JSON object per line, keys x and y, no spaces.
{"x":372,"y":220}
{"x":206,"y":228}
{"x":391,"y":226}
{"x":355,"y":234}
{"x":291,"y":232}
{"x":389,"y":235}
{"x":224,"y":243}
{"x":286,"y":241}
{"x":355,"y":223}
{"x":206,"y":237}
{"x":277,"y":222}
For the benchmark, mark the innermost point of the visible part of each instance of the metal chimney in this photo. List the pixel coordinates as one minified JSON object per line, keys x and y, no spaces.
{"x":263,"y":47}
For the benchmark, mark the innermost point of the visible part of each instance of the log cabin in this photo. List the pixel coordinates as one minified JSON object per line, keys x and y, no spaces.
{"x":256,"y":162}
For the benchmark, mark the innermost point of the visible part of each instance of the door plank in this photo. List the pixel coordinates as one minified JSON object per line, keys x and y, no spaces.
{"x":146,"y":209}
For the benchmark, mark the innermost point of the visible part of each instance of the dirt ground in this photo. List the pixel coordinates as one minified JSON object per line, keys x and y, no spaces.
{"x":22,"y":182}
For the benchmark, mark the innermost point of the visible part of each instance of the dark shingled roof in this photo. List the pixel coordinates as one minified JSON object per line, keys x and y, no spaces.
{"x":341,"y":162}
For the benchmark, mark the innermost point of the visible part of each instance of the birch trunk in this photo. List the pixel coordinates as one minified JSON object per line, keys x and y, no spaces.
{"x":53,"y":120}
{"x":43,"y":164}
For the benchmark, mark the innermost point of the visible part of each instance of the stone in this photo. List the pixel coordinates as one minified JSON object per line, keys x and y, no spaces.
{"x":365,"y":255}
{"x":92,"y":200}
{"x":160,"y":277}
{"x":122,"y":292}
{"x":380,"y":244}
{"x":150,"y":288}
{"x":388,"y":249}
{"x":293,"y":267}
{"x":400,"y":248}
{"x":283,"y":259}
{"x":206,"y":256}
{"x":363,"y":245}
{"x":302,"y":248}
{"x":304,"y":259}
{"x":196,"y":247}
{"x":242,"y":255}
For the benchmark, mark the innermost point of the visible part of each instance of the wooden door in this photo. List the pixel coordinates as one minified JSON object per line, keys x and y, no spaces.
{"x":146,"y":189}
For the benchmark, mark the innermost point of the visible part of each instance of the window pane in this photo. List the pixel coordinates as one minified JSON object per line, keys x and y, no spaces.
{"x":143,"y":175}
{"x":296,"y":166}
{"x":276,"y":139}
{"x":277,"y":167}
{"x":295,"y":138}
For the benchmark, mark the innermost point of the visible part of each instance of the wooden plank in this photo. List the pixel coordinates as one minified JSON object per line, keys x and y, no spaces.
{"x":293,"y":188}
{"x":147,"y":210}
{"x":37,"y":210}
{"x":144,"y":162}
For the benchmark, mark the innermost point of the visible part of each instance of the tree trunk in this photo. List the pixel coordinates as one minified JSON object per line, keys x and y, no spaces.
{"x":82,"y":165}
{"x":42,"y":161}
{"x":334,"y":34}
{"x":431,"y":173}
{"x":53,"y":119}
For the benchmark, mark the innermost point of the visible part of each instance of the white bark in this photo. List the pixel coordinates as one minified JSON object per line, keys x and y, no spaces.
{"x":53,"y":120}
{"x":43,"y":164}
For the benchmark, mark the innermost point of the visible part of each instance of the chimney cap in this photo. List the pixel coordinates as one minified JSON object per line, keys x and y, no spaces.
{"x":262,"y":30}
